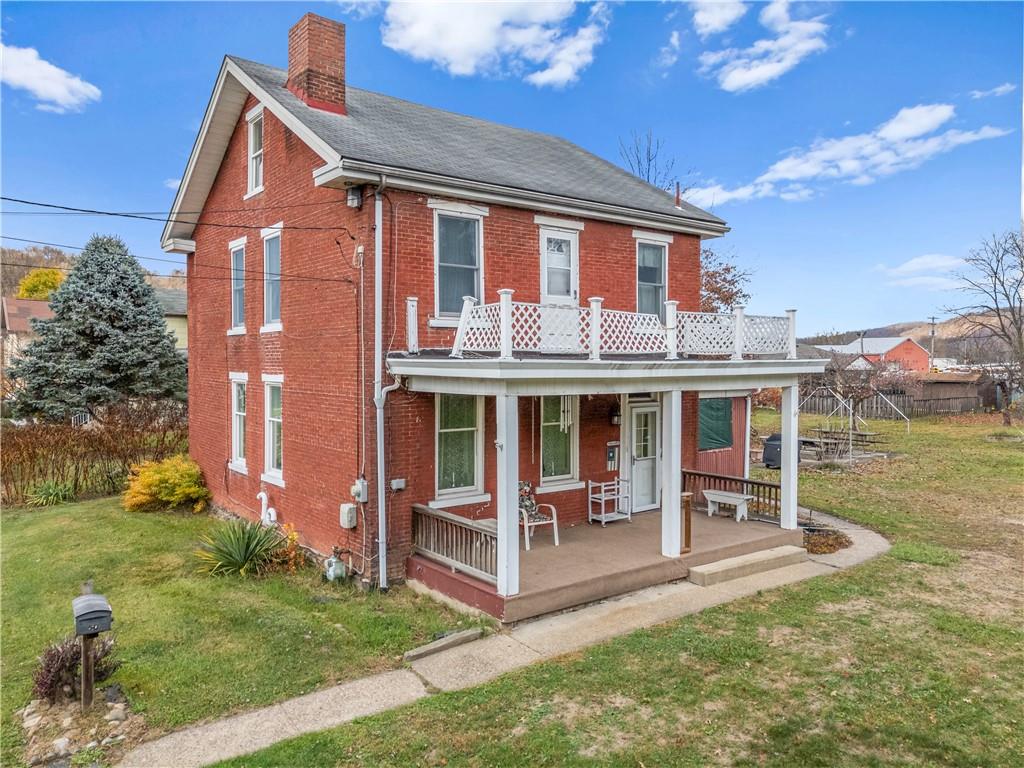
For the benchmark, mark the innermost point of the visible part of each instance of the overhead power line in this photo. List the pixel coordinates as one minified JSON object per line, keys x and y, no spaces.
{"x":165,"y":220}
{"x":87,"y":212}
{"x":227,"y":278}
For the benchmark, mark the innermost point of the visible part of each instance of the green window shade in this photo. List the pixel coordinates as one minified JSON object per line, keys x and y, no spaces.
{"x":456,"y":442}
{"x":714,"y":420}
{"x":556,"y":445}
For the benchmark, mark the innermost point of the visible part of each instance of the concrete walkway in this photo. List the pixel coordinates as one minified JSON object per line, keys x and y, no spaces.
{"x":478,"y":662}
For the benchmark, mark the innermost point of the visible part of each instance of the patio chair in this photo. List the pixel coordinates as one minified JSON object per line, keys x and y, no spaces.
{"x":531,"y":514}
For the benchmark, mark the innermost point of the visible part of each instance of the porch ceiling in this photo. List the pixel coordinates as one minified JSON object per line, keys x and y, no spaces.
{"x":434,"y":371}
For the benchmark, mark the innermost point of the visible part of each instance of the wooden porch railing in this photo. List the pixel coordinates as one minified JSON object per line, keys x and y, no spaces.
{"x":767,"y":503}
{"x":458,"y":542}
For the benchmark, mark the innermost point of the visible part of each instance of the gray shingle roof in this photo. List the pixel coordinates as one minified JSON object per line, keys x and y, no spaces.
{"x":173,"y":300}
{"x":872,"y":345}
{"x":389,"y":131}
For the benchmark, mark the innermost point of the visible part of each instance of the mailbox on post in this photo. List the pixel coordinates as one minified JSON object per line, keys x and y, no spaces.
{"x":92,"y":614}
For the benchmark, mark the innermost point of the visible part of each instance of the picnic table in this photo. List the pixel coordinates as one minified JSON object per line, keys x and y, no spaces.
{"x":837,"y":441}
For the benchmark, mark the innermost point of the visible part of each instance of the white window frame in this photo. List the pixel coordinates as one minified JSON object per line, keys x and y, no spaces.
{"x":237,"y":462}
{"x":456,"y":211}
{"x":252,"y":117}
{"x":573,"y":299}
{"x":471,"y":494}
{"x":658,"y":243}
{"x":233,"y":247}
{"x":274,"y":476}
{"x":269,"y":233}
{"x":570,"y":480}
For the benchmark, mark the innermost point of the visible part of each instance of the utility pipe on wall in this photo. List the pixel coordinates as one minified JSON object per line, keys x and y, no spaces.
{"x":378,"y":380}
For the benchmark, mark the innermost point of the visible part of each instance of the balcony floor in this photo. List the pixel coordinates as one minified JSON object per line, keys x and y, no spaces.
{"x":594,"y":563}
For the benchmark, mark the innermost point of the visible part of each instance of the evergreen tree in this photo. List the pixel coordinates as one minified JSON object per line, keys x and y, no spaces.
{"x":106,"y":343}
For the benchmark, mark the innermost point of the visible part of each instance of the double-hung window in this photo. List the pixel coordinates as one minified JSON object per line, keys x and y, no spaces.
{"x":458,"y":251}
{"x":273,"y":423}
{"x":272,"y":278}
{"x":237,"y":251}
{"x":651,"y":272}
{"x":559,"y":439}
{"x":459,"y":445}
{"x":255,"y":122}
{"x":238,"y":384}
{"x":714,"y":423}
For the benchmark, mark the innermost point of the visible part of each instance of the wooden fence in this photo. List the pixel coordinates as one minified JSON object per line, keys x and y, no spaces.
{"x":767,"y":503}
{"x":875,"y":407}
{"x":466,"y":545}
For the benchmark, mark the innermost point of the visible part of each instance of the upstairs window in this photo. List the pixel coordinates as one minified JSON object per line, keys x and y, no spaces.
{"x":458,"y":249}
{"x":272,"y":279}
{"x":255,"y":119}
{"x":714,"y":421}
{"x":650,"y":278}
{"x":237,"y":250}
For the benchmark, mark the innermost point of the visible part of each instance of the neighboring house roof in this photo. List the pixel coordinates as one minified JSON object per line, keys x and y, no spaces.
{"x":948,"y":377}
{"x":17,"y":314}
{"x":172,"y":300}
{"x":383,"y":134}
{"x":811,"y":352}
{"x":877,"y":345}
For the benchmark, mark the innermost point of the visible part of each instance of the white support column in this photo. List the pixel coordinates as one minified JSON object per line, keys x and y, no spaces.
{"x":595,"y":327}
{"x":507,"y":444}
{"x":746,"y":440}
{"x":671,"y":330}
{"x":790,"y":455}
{"x":740,"y":322}
{"x":791,"y":341}
{"x":505,"y":322}
{"x":412,"y":334}
{"x":671,"y":473}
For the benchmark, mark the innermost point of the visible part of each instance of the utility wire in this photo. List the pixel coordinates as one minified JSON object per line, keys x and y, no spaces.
{"x":166,"y":220}
{"x":180,"y":213}
{"x":261,"y":276}
{"x":292,"y":275}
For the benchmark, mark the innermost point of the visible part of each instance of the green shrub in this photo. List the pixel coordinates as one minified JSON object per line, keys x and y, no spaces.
{"x":929,"y":554}
{"x":168,"y":484}
{"x":240,"y":547}
{"x":49,"y":493}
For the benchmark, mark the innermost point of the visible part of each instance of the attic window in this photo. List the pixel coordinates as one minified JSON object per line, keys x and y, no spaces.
{"x":255,"y":121}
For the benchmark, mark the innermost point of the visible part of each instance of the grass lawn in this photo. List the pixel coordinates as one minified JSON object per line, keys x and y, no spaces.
{"x":913,"y":659}
{"x":192,"y":646}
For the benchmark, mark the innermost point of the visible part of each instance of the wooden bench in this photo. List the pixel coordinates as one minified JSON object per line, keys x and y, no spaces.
{"x":738,"y":500}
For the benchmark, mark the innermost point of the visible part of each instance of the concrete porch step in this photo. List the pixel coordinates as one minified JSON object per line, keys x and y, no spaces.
{"x":746,"y":565}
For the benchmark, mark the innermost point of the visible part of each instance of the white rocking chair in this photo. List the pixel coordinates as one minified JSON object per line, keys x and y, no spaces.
{"x":531,"y":514}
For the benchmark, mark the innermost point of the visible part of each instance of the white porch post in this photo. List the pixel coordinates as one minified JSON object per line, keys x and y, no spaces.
{"x":671,"y":472}
{"x":505,"y":322}
{"x":507,"y":444}
{"x":412,"y":338}
{"x":790,"y":455}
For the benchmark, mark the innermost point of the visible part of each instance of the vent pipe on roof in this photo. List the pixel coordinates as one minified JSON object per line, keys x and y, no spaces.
{"x":316,"y":62}
{"x":679,"y":196}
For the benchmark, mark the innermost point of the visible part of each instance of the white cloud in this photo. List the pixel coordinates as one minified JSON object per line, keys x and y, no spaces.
{"x":902,"y":143}
{"x":928,"y":282}
{"x":668,"y":54}
{"x":999,"y":90}
{"x":536,"y":41}
{"x":172,"y":183}
{"x":741,"y":69}
{"x":55,"y":89}
{"x":360,"y":9}
{"x":713,"y":16}
{"x":930,"y":271}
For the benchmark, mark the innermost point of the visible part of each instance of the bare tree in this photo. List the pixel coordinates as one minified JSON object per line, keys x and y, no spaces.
{"x":644,"y":156}
{"x":993,"y":282}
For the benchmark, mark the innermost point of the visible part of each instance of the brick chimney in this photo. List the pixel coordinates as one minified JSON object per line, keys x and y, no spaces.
{"x":316,"y":62}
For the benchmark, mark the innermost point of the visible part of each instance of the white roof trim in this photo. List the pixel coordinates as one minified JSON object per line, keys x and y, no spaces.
{"x":179,"y":245}
{"x":222,"y":111}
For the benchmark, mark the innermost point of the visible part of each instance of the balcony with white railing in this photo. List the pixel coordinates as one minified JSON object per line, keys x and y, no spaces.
{"x":507,"y":328}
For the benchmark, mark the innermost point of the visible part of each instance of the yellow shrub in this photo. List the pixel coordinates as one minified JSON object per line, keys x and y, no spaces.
{"x":166,"y":484}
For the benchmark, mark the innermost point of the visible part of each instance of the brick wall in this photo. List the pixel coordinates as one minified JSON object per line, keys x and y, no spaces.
{"x":318,"y":350}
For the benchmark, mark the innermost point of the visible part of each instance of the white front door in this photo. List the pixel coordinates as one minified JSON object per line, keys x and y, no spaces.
{"x":559,"y":291}
{"x":645,"y":437}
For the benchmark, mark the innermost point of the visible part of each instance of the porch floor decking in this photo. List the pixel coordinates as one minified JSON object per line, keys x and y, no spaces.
{"x":594,"y":563}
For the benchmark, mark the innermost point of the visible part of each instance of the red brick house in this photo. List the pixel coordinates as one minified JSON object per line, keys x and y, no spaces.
{"x":900,"y":351}
{"x":398,"y":313}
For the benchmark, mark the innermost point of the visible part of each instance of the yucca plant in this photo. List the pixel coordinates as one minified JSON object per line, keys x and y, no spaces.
{"x":48,"y":493}
{"x":240,"y":547}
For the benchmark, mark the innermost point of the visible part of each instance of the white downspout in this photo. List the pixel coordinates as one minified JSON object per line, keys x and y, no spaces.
{"x":378,"y":381}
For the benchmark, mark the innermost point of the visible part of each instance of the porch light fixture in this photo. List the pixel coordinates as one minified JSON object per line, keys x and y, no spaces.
{"x":615,"y":414}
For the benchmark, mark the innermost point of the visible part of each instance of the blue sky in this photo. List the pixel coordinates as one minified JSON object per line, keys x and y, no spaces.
{"x":858,"y":150}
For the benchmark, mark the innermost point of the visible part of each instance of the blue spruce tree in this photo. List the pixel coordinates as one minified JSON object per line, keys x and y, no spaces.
{"x":106,"y":343}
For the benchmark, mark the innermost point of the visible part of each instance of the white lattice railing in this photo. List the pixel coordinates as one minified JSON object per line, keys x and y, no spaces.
{"x":508,"y":327}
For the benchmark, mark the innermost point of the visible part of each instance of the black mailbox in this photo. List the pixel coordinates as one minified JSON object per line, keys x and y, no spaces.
{"x":92,"y":614}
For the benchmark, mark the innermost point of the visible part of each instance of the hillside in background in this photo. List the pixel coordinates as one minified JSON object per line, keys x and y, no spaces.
{"x":18,"y":262}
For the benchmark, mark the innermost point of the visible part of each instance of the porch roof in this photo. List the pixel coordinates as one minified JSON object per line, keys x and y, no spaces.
{"x":534,"y":374}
